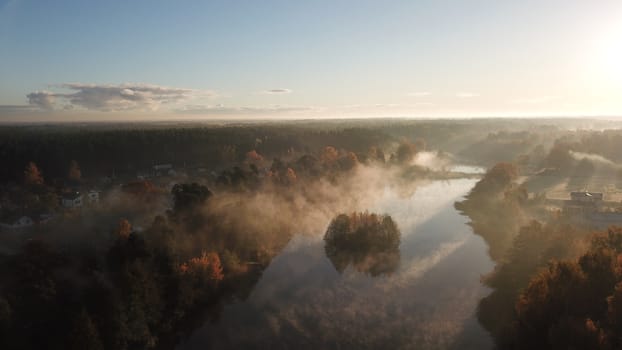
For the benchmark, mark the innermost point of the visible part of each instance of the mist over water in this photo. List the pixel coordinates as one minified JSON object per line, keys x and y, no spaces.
{"x":428,"y":302}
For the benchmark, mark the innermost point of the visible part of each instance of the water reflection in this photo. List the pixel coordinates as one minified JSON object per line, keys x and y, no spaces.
{"x":428,"y":301}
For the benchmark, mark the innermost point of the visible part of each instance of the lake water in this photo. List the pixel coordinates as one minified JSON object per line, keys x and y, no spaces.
{"x":429,"y":302}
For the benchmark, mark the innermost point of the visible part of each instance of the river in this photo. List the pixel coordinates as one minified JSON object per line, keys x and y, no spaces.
{"x":429,"y":302}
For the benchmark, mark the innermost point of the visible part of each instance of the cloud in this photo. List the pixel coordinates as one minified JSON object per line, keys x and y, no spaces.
{"x":222,"y":109}
{"x":277,"y":91}
{"x":419,"y":94}
{"x":123,"y":97}
{"x":16,"y":109}
{"x":534,"y":100}
{"x":42,"y":99}
{"x":466,"y":94}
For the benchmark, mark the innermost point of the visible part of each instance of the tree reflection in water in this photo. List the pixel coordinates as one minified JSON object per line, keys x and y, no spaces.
{"x":369,"y":243}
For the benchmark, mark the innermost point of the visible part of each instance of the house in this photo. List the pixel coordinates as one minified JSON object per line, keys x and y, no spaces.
{"x":72,"y":200}
{"x":586,"y":197}
{"x":93,"y":196}
{"x":582,"y":203}
{"x":589,"y":209}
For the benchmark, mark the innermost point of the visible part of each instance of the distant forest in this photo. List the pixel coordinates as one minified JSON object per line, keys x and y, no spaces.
{"x":104,"y":149}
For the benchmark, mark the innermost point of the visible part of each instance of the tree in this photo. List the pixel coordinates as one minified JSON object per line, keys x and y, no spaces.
{"x":207,"y":266}
{"x":74,"y":174}
{"x":559,"y":157}
{"x":32,"y":175}
{"x":124,"y":229}
{"x":84,"y":335}
{"x":497,"y":179}
{"x":253,"y":157}
{"x":329,"y":155}
{"x":367,"y":242}
{"x":189,"y":196}
{"x":349,"y":161}
{"x":406,"y":151}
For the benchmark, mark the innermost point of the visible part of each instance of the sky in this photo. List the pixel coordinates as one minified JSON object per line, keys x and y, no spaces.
{"x":188,"y":59}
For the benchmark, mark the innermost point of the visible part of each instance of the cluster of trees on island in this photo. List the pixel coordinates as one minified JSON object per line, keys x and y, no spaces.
{"x":367,"y":242}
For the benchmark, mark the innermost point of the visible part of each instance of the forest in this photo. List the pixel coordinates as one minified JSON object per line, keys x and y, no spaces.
{"x":143,"y":235}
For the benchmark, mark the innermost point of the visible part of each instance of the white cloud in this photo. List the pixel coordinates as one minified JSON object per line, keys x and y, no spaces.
{"x":123,"y":97}
{"x":534,"y":100}
{"x":277,"y":91}
{"x":466,"y":94}
{"x":42,"y":99}
{"x":419,"y":94}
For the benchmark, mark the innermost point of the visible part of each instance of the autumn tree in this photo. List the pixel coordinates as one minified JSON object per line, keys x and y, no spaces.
{"x":32,"y":175}
{"x":375,"y":154}
{"x":349,"y":161}
{"x":329,"y":155}
{"x":366,"y":241}
{"x":253,"y":157}
{"x":497,"y":179}
{"x":207,"y":265}
{"x":576,"y":303}
{"x":74,"y":174}
{"x":291,"y":176}
{"x":124,"y":229}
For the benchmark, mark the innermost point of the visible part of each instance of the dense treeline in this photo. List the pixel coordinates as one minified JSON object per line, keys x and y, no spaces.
{"x":126,"y":151}
{"x":104,"y":149}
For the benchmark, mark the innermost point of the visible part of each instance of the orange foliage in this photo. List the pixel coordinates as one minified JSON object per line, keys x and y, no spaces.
{"x":207,"y":263}
{"x":32,"y":175}
{"x":75,"y":173}
{"x":124,"y":229}
{"x":253,"y":156}
{"x":139,"y":187}
{"x":364,"y":219}
{"x":291,"y":175}
{"x":329,"y":154}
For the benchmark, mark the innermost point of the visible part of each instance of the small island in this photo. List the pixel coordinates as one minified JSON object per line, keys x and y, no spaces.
{"x":366,"y":241}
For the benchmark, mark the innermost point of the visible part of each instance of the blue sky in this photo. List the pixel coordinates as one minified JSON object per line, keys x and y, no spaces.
{"x":102,"y":59}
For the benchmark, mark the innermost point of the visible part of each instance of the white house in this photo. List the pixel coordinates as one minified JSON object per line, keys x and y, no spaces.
{"x":72,"y":200}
